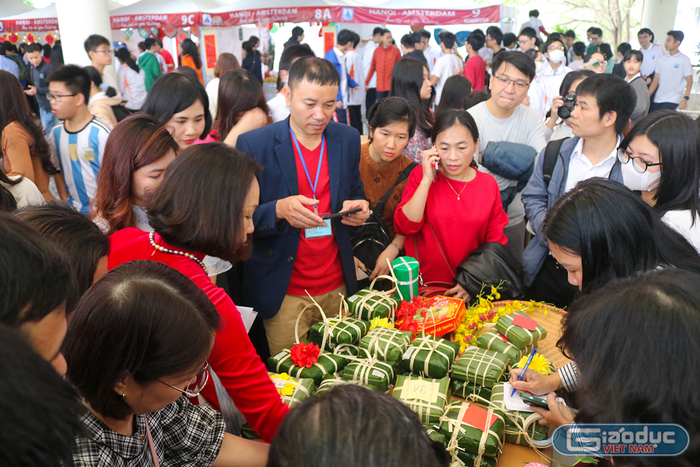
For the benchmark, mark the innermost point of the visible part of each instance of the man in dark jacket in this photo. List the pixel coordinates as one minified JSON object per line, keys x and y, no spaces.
{"x":297,"y":37}
{"x":40,"y":70}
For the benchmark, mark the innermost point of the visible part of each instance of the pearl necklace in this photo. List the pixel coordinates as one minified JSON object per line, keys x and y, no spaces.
{"x":455,"y":191}
{"x":151,"y":237}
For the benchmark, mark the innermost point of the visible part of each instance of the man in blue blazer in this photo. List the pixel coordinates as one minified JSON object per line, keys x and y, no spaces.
{"x":337,"y":57}
{"x":310,"y":169}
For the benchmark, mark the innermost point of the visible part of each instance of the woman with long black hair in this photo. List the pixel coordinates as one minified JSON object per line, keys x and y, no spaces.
{"x":411,"y":80}
{"x":189,"y":56}
{"x":131,"y":80}
{"x":252,"y":61}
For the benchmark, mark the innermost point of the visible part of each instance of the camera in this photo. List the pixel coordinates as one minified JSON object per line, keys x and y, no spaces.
{"x":565,"y":110}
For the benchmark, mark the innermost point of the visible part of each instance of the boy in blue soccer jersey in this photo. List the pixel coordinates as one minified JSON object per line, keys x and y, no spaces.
{"x":78,"y":141}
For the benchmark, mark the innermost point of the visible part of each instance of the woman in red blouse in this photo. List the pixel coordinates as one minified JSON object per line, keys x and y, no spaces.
{"x":448,"y":213}
{"x":204,"y":206}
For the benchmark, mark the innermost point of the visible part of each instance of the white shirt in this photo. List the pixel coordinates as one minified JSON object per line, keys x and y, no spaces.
{"x":132,"y":85}
{"x":672,"y":71}
{"x":446,"y":66}
{"x":524,"y":126}
{"x":535,"y":24}
{"x":681,"y":221}
{"x":213,"y":93}
{"x":575,"y":65}
{"x":343,"y":75}
{"x":353,"y":61}
{"x":550,"y":80}
{"x":370,"y":47}
{"x":651,"y":56}
{"x":25,"y":192}
{"x":486,"y":53}
{"x":432,"y":55}
{"x":580,"y":168}
{"x":630,"y":80}
{"x":278,"y":107}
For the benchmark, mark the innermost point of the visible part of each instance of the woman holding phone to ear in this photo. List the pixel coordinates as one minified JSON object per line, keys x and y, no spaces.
{"x":447,"y":216}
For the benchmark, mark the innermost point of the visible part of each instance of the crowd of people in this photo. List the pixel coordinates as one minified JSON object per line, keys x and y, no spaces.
{"x":140,"y":212}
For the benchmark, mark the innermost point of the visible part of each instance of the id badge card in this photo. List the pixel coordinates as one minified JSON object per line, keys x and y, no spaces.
{"x":319,"y":232}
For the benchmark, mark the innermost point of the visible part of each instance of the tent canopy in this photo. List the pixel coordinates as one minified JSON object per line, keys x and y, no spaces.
{"x":14,"y":7}
{"x":152,"y":7}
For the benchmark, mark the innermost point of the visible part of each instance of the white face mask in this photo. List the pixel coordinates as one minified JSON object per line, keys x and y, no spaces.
{"x":556,"y":56}
{"x":639,"y":181}
{"x":539,"y":66}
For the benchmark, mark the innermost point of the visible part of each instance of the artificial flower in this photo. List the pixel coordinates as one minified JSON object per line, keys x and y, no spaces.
{"x":539,"y":363}
{"x":304,"y":354}
{"x":288,"y":388}
{"x":381,"y":323}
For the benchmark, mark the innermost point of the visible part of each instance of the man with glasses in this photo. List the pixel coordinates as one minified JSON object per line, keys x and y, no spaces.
{"x":527,"y":39}
{"x":651,"y":52}
{"x":603,"y":107}
{"x":99,"y":50}
{"x":78,"y":142}
{"x":503,"y":118}
{"x":551,"y":76}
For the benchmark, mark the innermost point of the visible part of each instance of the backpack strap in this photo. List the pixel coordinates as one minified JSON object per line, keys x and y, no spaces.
{"x":403,"y":175}
{"x":551,"y":152}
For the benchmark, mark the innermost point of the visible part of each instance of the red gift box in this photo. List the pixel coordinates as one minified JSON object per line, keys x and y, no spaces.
{"x":442,"y":315}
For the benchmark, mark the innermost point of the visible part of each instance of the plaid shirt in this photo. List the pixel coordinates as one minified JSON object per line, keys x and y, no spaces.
{"x":183,"y":434}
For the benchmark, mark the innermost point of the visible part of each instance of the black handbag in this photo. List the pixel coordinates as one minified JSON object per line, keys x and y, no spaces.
{"x":490,"y":264}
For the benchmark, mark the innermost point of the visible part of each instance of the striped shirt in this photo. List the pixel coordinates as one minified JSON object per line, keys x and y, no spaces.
{"x":78,"y":156}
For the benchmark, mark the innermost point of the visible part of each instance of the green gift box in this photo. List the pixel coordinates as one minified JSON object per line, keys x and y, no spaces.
{"x":372,"y":374}
{"x":329,"y":382}
{"x":457,"y":426}
{"x":386,"y":344}
{"x":480,"y":366}
{"x":466,"y":390}
{"x":493,"y":340}
{"x":513,"y":434}
{"x":345,"y":330}
{"x":519,"y":336}
{"x":368,"y":304}
{"x":426,"y":397}
{"x":406,"y":272}
{"x":430,"y":357}
{"x":327,"y":363}
{"x":292,"y":391}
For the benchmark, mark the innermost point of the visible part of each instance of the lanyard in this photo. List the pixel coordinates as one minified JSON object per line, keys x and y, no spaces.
{"x":303,"y":162}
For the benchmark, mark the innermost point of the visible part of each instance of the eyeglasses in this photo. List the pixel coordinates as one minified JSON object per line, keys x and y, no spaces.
{"x":196,"y":384}
{"x":505,"y":81}
{"x":104,"y":51}
{"x":595,"y":64}
{"x":639,"y":164}
{"x":58,"y":97}
{"x":521,"y":42}
{"x":555,"y":47}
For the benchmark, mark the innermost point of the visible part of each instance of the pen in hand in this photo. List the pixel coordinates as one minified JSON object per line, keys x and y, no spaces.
{"x":527,"y":364}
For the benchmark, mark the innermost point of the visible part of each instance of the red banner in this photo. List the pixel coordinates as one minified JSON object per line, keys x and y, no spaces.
{"x":39,"y":24}
{"x":489,"y":14}
{"x":177,"y":20}
{"x":272,"y":15}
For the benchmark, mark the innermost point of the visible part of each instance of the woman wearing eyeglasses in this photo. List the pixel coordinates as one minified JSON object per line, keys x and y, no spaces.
{"x":137,"y":348}
{"x":595,"y":61}
{"x":660,"y":159}
{"x":204,"y":206}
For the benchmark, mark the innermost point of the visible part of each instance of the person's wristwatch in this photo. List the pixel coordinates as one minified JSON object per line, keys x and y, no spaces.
{"x":686,"y":97}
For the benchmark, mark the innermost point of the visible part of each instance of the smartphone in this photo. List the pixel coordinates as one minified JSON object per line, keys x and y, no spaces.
{"x":437,"y":171}
{"x":340,"y":214}
{"x":536,"y":401}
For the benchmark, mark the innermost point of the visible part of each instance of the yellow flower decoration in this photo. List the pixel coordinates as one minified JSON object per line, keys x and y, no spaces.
{"x":539,"y":363}
{"x":381,"y":323}
{"x":288,"y":388}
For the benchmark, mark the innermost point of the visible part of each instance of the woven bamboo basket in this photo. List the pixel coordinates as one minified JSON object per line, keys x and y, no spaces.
{"x":551,"y":321}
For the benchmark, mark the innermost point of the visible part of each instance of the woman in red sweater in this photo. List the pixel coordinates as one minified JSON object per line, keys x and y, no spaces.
{"x":448,"y":213}
{"x":204,"y":206}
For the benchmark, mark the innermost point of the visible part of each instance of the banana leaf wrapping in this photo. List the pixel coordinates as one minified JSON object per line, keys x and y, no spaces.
{"x":459,"y":434}
{"x":329,"y":382}
{"x":368,"y":304}
{"x":513,"y":434}
{"x":436,"y":435}
{"x":292,"y":390}
{"x":372,"y":374}
{"x":327,"y":363}
{"x":520,"y":337}
{"x":493,"y":340}
{"x":347,"y":330}
{"x":467,"y":459}
{"x":464,"y":390}
{"x":479,"y":366}
{"x":425,"y":396}
{"x":385,"y":344}
{"x":430,"y":357}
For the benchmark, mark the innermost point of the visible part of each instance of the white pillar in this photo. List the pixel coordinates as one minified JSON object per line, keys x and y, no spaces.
{"x":659,"y":16}
{"x":77,"y":19}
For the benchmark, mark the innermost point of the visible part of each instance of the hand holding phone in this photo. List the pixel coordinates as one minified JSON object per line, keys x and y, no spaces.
{"x":536,"y":401}
{"x":341,"y":214}
{"x":437,"y":171}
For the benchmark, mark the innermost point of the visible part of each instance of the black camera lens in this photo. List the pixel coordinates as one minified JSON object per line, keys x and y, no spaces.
{"x":565,"y":110}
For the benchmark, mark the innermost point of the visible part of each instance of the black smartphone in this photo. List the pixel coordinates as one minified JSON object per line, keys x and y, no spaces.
{"x":537,"y":401}
{"x":437,"y":171}
{"x":340,"y":214}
